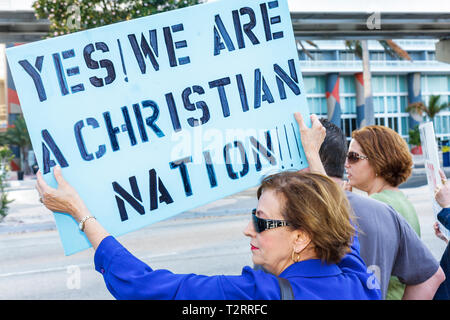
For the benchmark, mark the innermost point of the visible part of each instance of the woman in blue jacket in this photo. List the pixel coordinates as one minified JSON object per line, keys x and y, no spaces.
{"x":300,"y":231}
{"x":443,"y":198}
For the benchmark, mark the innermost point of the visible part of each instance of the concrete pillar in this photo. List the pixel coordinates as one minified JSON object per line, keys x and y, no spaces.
{"x":359,"y":84}
{"x":443,"y":50}
{"x":414,"y":95}
{"x":333,"y":100}
{"x":369,"y":115}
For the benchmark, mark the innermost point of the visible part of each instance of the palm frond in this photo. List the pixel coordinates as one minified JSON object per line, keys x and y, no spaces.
{"x":18,"y":133}
{"x":431,"y":110}
{"x":416,"y":107}
{"x":394,"y":50}
{"x":312,"y":43}
{"x":355,"y":47}
{"x":434,"y":107}
{"x":306,"y":51}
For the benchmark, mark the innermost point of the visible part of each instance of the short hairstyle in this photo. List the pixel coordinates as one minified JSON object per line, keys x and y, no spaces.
{"x":316,"y":205}
{"x":387,"y":153}
{"x":333,"y":150}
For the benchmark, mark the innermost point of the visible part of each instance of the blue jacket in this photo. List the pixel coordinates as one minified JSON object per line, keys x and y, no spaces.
{"x":127,"y":277}
{"x":443,"y":292}
{"x":444,"y":217}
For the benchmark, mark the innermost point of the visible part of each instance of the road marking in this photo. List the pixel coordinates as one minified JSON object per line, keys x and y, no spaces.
{"x":64,"y":268}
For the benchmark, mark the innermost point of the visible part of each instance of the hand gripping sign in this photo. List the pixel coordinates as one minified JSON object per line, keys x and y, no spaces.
{"x":151,"y":117}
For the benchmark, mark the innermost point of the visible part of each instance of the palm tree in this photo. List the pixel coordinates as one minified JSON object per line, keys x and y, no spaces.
{"x":433,"y":108}
{"x":306,"y":51}
{"x":418,"y":109}
{"x":389,"y":46}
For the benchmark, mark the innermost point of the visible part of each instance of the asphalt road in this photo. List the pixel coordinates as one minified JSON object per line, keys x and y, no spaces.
{"x":414,"y":181}
{"x":33,"y":265}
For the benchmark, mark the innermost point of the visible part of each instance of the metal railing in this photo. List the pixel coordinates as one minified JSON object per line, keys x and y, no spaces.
{"x":375,"y":65}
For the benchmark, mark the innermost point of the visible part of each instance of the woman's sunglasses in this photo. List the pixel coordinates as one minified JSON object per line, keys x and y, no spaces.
{"x":353,"y":157}
{"x":265,"y":224}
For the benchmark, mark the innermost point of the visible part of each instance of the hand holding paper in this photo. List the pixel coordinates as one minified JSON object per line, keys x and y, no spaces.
{"x":66,"y":199}
{"x":443,"y":192}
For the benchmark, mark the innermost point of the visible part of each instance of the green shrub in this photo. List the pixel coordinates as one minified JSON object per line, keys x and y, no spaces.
{"x":5,"y":157}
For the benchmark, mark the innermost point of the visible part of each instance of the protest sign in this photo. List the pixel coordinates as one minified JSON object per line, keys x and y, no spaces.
{"x":155,"y":116}
{"x":431,"y":162}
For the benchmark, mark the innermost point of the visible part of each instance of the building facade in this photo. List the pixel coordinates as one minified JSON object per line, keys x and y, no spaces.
{"x":333,"y":84}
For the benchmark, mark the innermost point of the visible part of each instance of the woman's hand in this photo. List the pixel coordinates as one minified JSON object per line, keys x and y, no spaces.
{"x":63,"y":199}
{"x":442,"y":194}
{"x":438,"y":232}
{"x":66,"y":199}
{"x":312,"y":138}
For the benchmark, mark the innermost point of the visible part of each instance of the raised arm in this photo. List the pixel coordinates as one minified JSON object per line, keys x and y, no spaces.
{"x":312,"y":138}
{"x":66,"y":199}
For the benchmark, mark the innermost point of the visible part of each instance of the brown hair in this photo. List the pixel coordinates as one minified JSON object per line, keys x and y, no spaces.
{"x":387,"y":151}
{"x":316,"y":205}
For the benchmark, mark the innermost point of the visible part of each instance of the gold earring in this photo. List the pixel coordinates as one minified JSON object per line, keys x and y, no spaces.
{"x":295,"y":256}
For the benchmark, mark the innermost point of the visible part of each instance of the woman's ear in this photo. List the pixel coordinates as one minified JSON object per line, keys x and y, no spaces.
{"x":301,"y":241}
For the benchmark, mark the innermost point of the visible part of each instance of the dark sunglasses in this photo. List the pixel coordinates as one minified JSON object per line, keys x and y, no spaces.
{"x":353,"y":157}
{"x":265,"y":224}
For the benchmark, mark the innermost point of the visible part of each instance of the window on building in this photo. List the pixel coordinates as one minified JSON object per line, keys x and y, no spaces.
{"x":390,"y":98}
{"x":317,"y":105}
{"x":348,"y":125}
{"x":417,"y":55}
{"x":438,"y":85}
{"x":315,"y":94}
{"x":431,"y":55}
{"x":347,"y":56}
{"x":347,"y":93}
{"x":377,"y":55}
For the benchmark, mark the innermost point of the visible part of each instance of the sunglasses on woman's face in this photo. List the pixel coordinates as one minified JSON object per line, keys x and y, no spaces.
{"x":265,"y":224}
{"x":353,"y":157}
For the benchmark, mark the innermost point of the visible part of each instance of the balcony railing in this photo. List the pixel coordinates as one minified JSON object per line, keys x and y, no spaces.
{"x":375,"y":66}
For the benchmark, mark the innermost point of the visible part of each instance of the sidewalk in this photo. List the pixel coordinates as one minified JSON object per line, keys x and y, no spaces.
{"x":26,"y":213}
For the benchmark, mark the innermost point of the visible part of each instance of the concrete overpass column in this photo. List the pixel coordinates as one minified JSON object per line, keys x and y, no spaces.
{"x":360,"y":101}
{"x":414,"y":95}
{"x":333,"y":100}
{"x":443,"y":50}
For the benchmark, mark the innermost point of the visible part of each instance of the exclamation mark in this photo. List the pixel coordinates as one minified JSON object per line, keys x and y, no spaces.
{"x":123,"y":62}
{"x":289,"y":147}
{"x":279,"y":148}
{"x":296,"y":142}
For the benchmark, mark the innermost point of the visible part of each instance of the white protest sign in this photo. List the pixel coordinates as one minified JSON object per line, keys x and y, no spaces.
{"x":431,"y":162}
{"x":430,"y":154}
{"x":156,"y":116}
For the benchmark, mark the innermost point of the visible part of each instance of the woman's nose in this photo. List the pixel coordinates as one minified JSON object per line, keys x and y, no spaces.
{"x":346,"y":164}
{"x":249,"y":231}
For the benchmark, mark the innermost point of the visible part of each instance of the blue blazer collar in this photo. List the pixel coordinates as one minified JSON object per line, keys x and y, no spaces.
{"x":311,"y":268}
